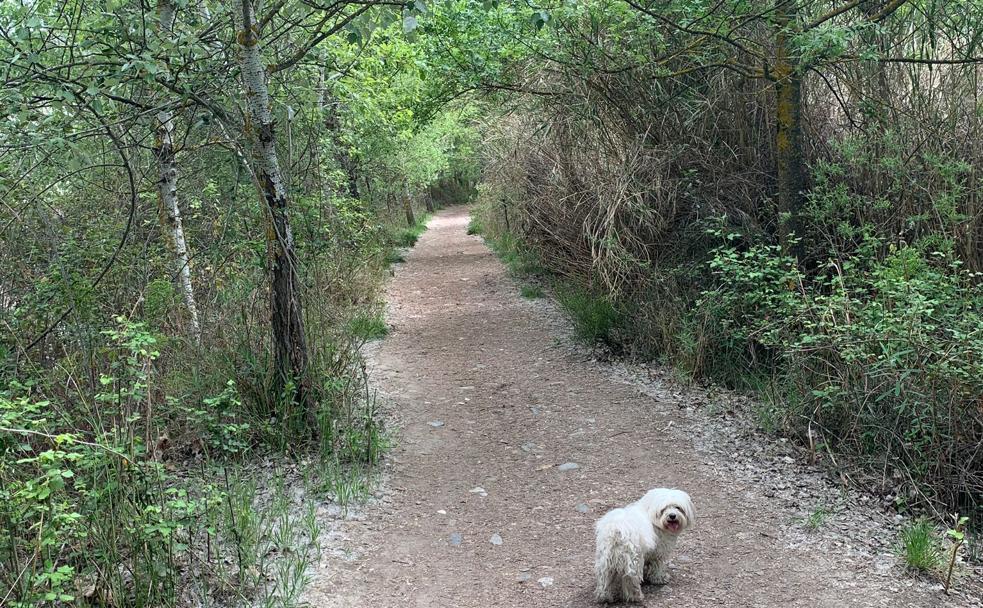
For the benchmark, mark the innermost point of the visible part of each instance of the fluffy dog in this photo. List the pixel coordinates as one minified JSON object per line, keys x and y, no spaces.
{"x":634,"y":543}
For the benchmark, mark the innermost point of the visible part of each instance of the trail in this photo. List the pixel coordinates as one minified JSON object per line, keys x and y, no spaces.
{"x":489,"y":403}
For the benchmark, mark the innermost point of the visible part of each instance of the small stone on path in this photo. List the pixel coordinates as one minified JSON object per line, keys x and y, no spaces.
{"x":456,"y":539}
{"x":545,"y":582}
{"x":495,"y":539}
{"x":582,"y":508}
{"x":535,"y":410}
{"x":436,"y":423}
{"x":480,"y":491}
{"x":568,"y":466}
{"x":524,"y":577}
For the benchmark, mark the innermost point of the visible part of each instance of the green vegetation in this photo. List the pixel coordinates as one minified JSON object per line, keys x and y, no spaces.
{"x":595,"y":319}
{"x":202,"y":200}
{"x":368,"y":326}
{"x":816,"y":519}
{"x":920,"y":548}
{"x":187,"y":276}
{"x":531,"y":292}
{"x":789,"y":255}
{"x":408,"y":236}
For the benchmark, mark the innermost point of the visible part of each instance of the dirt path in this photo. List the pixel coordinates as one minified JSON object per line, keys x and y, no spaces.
{"x":489,"y":404}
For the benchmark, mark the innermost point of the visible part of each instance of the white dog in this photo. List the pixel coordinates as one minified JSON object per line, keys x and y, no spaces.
{"x":635,"y":543}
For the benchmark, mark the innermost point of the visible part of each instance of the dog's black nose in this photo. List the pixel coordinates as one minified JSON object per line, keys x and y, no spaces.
{"x":672,"y":517}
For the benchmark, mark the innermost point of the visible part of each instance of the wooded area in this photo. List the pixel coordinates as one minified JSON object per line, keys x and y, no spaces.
{"x":200,"y":202}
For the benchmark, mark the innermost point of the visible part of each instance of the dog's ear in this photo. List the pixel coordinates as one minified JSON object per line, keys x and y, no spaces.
{"x":688,"y":510}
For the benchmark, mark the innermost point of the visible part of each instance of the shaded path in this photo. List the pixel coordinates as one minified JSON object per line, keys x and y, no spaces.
{"x":466,"y":351}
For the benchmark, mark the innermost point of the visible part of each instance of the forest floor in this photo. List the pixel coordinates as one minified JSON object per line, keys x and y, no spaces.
{"x":510,"y":441}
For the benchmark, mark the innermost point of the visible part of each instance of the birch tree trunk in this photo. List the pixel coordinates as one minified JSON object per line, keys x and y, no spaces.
{"x":169,"y":210}
{"x":408,"y":207}
{"x":290,"y":343}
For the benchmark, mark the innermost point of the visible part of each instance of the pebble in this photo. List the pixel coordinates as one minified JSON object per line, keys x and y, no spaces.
{"x":436,"y":423}
{"x":535,"y":410}
{"x":582,"y":508}
{"x":529,"y":447}
{"x":495,"y":539}
{"x":545,"y":582}
{"x":456,"y":539}
{"x":480,"y":491}
{"x":568,"y":466}
{"x":524,"y":577}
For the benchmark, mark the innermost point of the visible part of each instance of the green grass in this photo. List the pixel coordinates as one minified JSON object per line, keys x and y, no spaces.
{"x":816,"y":519}
{"x":474,"y":226}
{"x":408,"y":236}
{"x":919,"y":546}
{"x":368,"y":326}
{"x":519,"y":260}
{"x":394,"y":257}
{"x":594,"y":317}
{"x":532,"y":292}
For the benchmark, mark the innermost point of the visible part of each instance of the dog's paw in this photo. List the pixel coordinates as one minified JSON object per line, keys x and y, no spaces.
{"x":635,"y":597}
{"x":660,"y":578}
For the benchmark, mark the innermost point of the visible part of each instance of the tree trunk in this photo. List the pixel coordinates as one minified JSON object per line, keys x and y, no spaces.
{"x":788,"y":138}
{"x":408,"y":208}
{"x":290,"y":344}
{"x":429,"y":200}
{"x":169,"y":210}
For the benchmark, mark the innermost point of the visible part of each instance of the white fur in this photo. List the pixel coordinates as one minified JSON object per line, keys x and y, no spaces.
{"x":634,"y":543}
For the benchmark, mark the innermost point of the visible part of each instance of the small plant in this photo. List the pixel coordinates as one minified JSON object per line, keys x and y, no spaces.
{"x":816,"y":519}
{"x":957,"y":535}
{"x":919,"y":546}
{"x":531,"y":292}
{"x":595,"y":318}
{"x":394,"y":257}
{"x":407,"y":237}
{"x":474,"y":226}
{"x":368,"y":326}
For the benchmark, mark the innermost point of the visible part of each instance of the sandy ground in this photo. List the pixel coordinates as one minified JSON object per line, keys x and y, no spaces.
{"x":478,"y":511}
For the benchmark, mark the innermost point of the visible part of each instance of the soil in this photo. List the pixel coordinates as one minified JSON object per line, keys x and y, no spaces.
{"x":511,"y":441}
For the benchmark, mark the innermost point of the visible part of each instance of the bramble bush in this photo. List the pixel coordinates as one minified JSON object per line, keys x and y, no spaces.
{"x":879,"y":359}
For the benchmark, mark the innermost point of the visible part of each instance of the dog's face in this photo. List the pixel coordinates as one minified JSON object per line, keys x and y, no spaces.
{"x":670,"y":510}
{"x":673,"y":519}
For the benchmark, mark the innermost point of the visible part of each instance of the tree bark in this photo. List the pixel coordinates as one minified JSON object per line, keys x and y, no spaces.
{"x":790,"y":168}
{"x":429,"y":199}
{"x":169,"y":209}
{"x":290,"y":343}
{"x":408,"y":207}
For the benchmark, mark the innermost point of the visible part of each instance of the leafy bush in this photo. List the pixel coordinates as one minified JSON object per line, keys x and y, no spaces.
{"x":881,"y":358}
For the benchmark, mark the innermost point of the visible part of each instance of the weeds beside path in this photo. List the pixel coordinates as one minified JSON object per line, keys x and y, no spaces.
{"x":512,"y":443}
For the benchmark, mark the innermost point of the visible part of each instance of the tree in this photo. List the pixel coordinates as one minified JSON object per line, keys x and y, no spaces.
{"x":287,"y":317}
{"x":170,"y":211}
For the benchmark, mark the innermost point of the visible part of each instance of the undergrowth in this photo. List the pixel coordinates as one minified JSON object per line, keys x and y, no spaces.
{"x":872,"y":359}
{"x":407,"y":236}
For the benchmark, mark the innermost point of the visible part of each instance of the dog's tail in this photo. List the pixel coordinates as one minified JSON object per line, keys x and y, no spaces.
{"x":616,"y":560}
